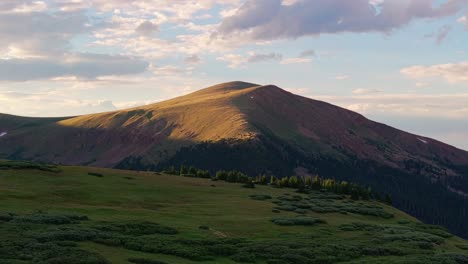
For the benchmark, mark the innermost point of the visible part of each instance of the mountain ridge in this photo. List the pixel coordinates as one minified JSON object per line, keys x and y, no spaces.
{"x":256,"y":129}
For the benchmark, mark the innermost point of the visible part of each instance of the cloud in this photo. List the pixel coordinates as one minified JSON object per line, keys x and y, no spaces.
{"x":192,"y":59}
{"x":447,"y":106}
{"x":259,"y":57}
{"x":169,"y":70}
{"x":147,"y":28}
{"x":86,"y":66}
{"x":35,"y":34}
{"x":463,"y":20}
{"x":307,"y":53}
{"x":238,"y":61}
{"x":295,"y":60}
{"x":46,"y":103}
{"x":366,"y":91}
{"x":440,"y":35}
{"x":342,"y":77}
{"x":36,"y":6}
{"x":450,"y":72}
{"x":271,"y":19}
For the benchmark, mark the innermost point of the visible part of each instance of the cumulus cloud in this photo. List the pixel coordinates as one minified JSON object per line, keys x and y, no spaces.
{"x":259,"y":57}
{"x":34,"y":34}
{"x":450,"y":72}
{"x":87,"y":66}
{"x":237,"y":61}
{"x":147,"y":28}
{"x":464,"y":20}
{"x":169,"y":70}
{"x":271,"y":19}
{"x":192,"y":59}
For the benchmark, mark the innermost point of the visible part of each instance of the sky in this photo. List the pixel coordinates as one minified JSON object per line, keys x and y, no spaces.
{"x":399,"y":62}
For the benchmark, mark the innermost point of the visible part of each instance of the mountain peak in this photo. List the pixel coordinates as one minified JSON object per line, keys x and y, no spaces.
{"x":228,"y":87}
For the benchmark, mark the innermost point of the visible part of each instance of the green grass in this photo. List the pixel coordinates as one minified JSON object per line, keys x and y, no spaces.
{"x":69,"y":212}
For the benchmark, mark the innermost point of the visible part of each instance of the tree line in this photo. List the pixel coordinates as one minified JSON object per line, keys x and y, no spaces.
{"x":302,"y":183}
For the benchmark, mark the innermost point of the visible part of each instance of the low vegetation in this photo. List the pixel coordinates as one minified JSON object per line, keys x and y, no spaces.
{"x":69,"y":217}
{"x":303,"y":184}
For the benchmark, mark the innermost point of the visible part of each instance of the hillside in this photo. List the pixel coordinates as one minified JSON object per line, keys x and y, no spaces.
{"x":257,"y":129}
{"x":90,"y":215}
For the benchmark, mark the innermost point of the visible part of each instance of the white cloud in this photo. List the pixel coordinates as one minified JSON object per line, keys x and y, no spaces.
{"x":36,"y":6}
{"x":295,"y":60}
{"x":448,"y":106}
{"x":239,"y":61}
{"x":366,"y":91}
{"x":271,"y":19}
{"x":450,"y":72}
{"x":464,"y":20}
{"x":170,"y":70}
{"x":87,"y":66}
{"x":147,"y":28}
{"x":342,"y":77}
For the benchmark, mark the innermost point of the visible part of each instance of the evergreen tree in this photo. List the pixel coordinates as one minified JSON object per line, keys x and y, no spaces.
{"x":293,"y":182}
{"x":221,"y":175}
{"x":308,"y":182}
{"x":272,"y":180}
{"x":193,"y":170}
{"x":388,"y":199}
{"x":183,"y":170}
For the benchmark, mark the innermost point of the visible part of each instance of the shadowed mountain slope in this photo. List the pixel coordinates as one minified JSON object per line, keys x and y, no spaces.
{"x":257,"y":129}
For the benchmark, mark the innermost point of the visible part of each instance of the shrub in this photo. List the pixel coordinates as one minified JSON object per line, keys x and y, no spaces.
{"x":221,"y":175}
{"x":303,"y":220}
{"x":145,"y":261}
{"x":96,"y":174}
{"x":50,"y":219}
{"x":138,"y":228}
{"x":193,"y":170}
{"x":183,"y":170}
{"x":260,"y":197}
{"x":249,"y":184}
{"x":6,"y":217}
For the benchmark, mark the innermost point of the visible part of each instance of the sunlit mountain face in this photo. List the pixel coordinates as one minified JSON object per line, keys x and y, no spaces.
{"x":403,"y":63}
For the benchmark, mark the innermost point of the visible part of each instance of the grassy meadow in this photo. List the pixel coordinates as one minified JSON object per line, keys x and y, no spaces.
{"x":92,"y":215}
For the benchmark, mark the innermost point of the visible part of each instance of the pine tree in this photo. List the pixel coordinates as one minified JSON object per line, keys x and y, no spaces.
{"x":388,"y":199}
{"x":183,"y":170}
{"x":272,"y":180}
{"x":193,"y":170}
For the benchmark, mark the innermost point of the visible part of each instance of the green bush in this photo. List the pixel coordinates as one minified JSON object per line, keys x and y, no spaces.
{"x":145,"y":261}
{"x":50,"y":219}
{"x":304,"y":221}
{"x":260,"y":197}
{"x":137,"y":228}
{"x":96,"y":174}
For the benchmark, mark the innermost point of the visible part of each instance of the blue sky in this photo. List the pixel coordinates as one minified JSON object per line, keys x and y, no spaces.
{"x":400,"y":62}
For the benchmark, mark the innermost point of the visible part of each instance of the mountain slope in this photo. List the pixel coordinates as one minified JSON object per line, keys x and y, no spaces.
{"x":257,"y":129}
{"x":78,"y":215}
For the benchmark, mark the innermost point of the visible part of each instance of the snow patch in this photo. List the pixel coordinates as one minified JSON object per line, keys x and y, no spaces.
{"x":422,"y":140}
{"x":3,"y":134}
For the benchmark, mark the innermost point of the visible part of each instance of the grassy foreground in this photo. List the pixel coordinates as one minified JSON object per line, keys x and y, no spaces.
{"x":91,"y":215}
